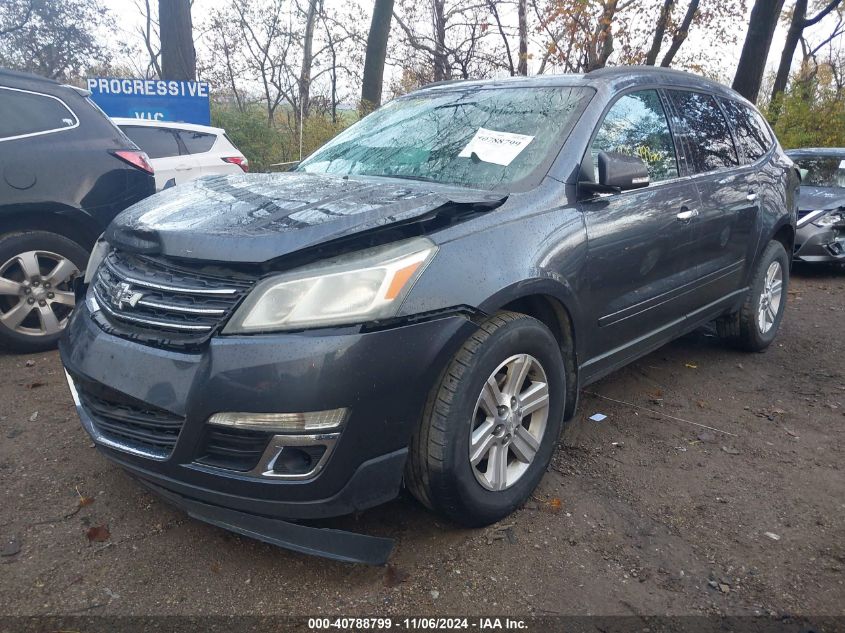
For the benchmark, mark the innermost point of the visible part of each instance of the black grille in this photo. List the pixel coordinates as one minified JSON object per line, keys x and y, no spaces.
{"x":235,"y":449}
{"x":132,"y":424}
{"x":156,"y":300}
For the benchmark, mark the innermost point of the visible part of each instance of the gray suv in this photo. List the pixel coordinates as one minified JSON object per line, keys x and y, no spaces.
{"x":422,"y":299}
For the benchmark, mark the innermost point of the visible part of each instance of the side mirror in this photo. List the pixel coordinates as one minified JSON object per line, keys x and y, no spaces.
{"x":618,"y":172}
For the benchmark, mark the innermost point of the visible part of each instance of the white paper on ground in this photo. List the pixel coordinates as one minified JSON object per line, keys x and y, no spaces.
{"x":496,"y":147}
{"x":842,"y":165}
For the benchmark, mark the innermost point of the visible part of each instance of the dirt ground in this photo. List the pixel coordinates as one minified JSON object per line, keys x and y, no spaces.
{"x":640,"y":514}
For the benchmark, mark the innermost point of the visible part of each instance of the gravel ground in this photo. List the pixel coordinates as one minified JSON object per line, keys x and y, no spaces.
{"x":639,"y":514}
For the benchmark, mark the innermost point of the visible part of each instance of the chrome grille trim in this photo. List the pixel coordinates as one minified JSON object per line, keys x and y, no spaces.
{"x":172,"y":307}
{"x":128,"y":278}
{"x":145,"y":321}
{"x":164,"y":302}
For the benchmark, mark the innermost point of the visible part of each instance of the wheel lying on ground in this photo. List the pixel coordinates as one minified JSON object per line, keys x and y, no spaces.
{"x":37,"y":270}
{"x":491,"y":423}
{"x":756,"y":324}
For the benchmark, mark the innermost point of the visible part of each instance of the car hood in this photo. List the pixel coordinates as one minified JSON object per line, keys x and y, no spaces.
{"x":820,"y":198}
{"x":258,"y":217}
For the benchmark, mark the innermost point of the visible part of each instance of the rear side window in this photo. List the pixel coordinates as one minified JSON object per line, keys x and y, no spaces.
{"x":709,"y":138}
{"x":197,"y":142}
{"x":157,"y":142}
{"x":27,"y":113}
{"x":636,"y":125}
{"x":750,"y":130}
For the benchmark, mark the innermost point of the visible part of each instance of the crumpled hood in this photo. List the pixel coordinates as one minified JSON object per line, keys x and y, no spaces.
{"x":258,"y":217}
{"x":818,"y":198}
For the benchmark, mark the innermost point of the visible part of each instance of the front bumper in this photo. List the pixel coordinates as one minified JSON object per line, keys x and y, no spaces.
{"x":382,"y":377}
{"x":816,"y":244}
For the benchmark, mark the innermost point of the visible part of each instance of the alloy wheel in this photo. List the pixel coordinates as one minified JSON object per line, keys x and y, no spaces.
{"x":770,"y":297}
{"x":36,"y":298}
{"x":509,"y":422}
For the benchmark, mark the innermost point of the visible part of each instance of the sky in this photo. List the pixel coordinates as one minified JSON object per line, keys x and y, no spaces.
{"x":129,"y":20}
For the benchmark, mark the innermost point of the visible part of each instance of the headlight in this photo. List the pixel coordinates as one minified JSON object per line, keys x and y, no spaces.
{"x":98,"y":254}
{"x":830,"y":219}
{"x":355,"y":288}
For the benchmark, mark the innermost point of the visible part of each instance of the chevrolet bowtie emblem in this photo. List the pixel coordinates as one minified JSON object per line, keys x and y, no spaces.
{"x":123,"y":295}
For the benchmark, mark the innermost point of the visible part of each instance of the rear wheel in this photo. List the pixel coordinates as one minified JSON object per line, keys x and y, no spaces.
{"x":491,"y":423}
{"x":37,"y":270}
{"x":756,"y":324}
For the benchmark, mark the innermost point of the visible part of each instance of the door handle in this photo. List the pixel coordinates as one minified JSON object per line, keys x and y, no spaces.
{"x":687,"y":216}
{"x":751,"y":197}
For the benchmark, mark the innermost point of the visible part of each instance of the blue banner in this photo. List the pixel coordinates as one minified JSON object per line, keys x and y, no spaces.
{"x":155,"y":99}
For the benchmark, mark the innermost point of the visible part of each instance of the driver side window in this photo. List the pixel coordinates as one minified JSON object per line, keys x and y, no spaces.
{"x":636,"y":125}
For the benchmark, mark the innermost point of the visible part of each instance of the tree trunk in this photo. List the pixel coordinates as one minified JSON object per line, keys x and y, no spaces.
{"x":755,"y":50}
{"x":793,"y":36}
{"x":377,"y":40}
{"x":522,"y":15}
{"x":307,"y":60}
{"x":681,"y":34}
{"x":441,"y":61}
{"x":178,"y":57}
{"x":657,"y":41}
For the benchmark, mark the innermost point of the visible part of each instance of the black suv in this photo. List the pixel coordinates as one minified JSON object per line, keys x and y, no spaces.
{"x":422,"y":299}
{"x":65,"y":172}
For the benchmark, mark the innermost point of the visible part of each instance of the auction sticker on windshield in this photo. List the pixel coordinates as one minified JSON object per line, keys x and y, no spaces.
{"x":495,"y":147}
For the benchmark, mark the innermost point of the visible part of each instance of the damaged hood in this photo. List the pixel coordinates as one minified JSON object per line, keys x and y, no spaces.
{"x":258,"y":217}
{"x":820,"y":198}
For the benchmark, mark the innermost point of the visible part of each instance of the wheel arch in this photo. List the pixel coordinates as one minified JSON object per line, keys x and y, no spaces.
{"x":548,"y":302}
{"x":67,"y":221}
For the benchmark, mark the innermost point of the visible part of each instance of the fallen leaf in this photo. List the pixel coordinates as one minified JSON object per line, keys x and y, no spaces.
{"x":215,"y":567}
{"x":85,"y":501}
{"x":555,"y":504}
{"x":692,"y":365}
{"x":98,"y":533}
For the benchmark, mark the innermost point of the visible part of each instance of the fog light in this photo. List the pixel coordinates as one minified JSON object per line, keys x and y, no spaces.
{"x":281,"y":422}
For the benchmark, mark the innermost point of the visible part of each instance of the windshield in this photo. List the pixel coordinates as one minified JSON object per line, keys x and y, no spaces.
{"x":475,"y":137}
{"x":822,"y":171}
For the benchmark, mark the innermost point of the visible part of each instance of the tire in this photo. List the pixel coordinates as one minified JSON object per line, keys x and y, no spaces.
{"x":439,"y":472}
{"x":745,"y":328}
{"x":29,"y":275}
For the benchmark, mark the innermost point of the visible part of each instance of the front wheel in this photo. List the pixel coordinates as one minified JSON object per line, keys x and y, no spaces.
{"x":37,"y":270}
{"x":756,"y":324}
{"x":491,"y":423}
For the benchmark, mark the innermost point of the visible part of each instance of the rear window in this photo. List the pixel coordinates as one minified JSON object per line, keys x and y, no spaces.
{"x":750,"y":130}
{"x":26,"y":113}
{"x":708,"y":137}
{"x":157,"y":142}
{"x":197,"y":142}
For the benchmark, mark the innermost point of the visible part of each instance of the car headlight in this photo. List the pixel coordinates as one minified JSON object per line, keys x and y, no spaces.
{"x":354,"y":288}
{"x":830,"y":219}
{"x":98,"y":254}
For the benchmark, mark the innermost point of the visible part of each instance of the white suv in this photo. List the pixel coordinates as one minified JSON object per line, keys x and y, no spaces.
{"x":180,"y":152}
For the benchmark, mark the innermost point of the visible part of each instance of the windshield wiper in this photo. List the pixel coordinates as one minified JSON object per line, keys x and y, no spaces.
{"x":409,"y":177}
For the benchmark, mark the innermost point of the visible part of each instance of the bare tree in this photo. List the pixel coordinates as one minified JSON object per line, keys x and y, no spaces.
{"x":57,"y":39}
{"x":797,"y":25}
{"x":307,"y":58}
{"x":15,"y":15}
